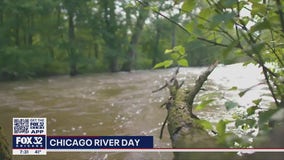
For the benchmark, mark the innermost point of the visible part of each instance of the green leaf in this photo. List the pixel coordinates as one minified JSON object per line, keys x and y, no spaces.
{"x":265,"y":116}
{"x":244,"y":20}
{"x":195,"y":29}
{"x":249,"y":122}
{"x":224,"y":18}
{"x":168,"y":63}
{"x":183,"y":62}
{"x":229,"y":3}
{"x":261,"y":26}
{"x":190,"y":26}
{"x":179,"y":49}
{"x":159,"y":65}
{"x":257,"y":101}
{"x":258,"y":9}
{"x":239,"y":122}
{"x":233,"y":88}
{"x":247,"y":63}
{"x":251,"y":110}
{"x":229,"y":49}
{"x":155,"y":8}
{"x":242,"y":93}
{"x":230,"y":105}
{"x":221,"y":127}
{"x":164,"y":64}
{"x":175,"y":56}
{"x":256,"y":48}
{"x":205,"y":124}
{"x":203,"y":104}
{"x":188,"y":5}
{"x":205,"y":12}
{"x":167,"y":51}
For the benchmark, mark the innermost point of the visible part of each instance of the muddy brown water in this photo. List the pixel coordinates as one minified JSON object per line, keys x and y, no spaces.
{"x":103,"y":104}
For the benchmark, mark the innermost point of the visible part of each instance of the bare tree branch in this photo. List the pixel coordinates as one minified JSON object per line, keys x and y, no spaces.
{"x":198,"y":84}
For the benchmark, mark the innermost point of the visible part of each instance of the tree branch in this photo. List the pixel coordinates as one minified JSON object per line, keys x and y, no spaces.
{"x":180,"y":26}
{"x":281,"y":15}
{"x":198,"y":84}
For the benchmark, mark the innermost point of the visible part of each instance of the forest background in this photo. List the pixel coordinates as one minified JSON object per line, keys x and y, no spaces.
{"x":51,"y":37}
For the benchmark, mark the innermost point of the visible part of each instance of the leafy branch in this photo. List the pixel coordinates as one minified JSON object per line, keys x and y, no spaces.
{"x":180,"y":26}
{"x":177,"y":57}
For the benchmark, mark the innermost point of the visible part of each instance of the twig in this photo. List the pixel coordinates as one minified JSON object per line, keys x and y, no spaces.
{"x":172,"y":80}
{"x":163,"y":126}
{"x":159,"y":89}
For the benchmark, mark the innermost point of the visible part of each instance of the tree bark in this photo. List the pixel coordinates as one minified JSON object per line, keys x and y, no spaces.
{"x":17,"y":30}
{"x":173,"y":35}
{"x":184,"y":130}
{"x":156,"y":43}
{"x":30,"y":24}
{"x":71,"y":35}
{"x":110,"y":37}
{"x":131,"y":53}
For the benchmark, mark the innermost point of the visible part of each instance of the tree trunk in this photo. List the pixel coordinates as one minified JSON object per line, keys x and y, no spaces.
{"x":184,"y":130}
{"x":156,"y":45}
{"x":173,"y":35}
{"x":17,"y":30}
{"x":71,"y":35}
{"x":110,"y":37}
{"x":131,"y":53}
{"x":30,"y":28}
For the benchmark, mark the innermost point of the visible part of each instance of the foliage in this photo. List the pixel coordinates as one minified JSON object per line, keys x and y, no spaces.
{"x":241,"y":29}
{"x":177,"y":57}
{"x":92,"y":36}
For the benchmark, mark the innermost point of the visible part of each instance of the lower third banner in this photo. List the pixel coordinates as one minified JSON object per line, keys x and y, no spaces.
{"x":99,"y":142}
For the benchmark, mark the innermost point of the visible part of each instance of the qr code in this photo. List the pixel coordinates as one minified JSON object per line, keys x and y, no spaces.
{"x":29,"y":125}
{"x":21,"y":125}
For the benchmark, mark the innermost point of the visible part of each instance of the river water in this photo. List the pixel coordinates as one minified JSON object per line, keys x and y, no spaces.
{"x":117,"y":104}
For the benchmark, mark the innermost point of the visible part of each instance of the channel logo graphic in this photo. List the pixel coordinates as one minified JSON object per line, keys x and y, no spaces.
{"x":29,"y":136}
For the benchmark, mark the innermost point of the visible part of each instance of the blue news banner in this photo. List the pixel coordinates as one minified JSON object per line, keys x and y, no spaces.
{"x":81,"y":142}
{"x":99,"y":142}
{"x":30,"y":138}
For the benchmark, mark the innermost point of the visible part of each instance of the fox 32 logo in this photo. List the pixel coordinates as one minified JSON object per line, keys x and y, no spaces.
{"x":29,"y":141}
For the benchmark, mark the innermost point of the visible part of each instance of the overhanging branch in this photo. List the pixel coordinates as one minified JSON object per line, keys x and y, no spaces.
{"x":144,"y":4}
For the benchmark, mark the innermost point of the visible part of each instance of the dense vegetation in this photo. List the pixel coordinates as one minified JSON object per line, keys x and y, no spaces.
{"x":47,"y":37}
{"x":249,"y":28}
